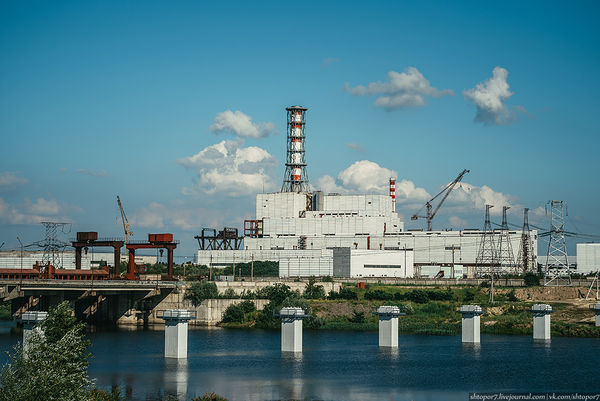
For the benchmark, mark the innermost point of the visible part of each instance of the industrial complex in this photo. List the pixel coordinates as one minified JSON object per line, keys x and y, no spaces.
{"x":311,"y":233}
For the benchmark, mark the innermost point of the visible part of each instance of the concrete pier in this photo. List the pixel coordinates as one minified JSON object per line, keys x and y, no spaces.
{"x":471,"y":323}
{"x":541,"y":321}
{"x":176,"y":332}
{"x":596,"y":308}
{"x":291,"y":329}
{"x":388,"y":325}
{"x":31,"y":320}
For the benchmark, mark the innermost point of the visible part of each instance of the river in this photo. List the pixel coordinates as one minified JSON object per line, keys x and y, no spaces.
{"x":248,"y":365}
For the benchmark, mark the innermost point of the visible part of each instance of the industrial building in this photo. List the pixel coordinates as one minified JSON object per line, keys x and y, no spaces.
{"x":588,"y":258}
{"x":318,"y":234}
{"x":13,"y":259}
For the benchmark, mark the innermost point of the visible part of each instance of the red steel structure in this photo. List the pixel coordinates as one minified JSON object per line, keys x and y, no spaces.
{"x":156,"y":241}
{"x":90,"y":239}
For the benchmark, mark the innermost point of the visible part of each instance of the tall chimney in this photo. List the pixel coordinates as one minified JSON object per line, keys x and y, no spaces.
{"x":295,"y":178}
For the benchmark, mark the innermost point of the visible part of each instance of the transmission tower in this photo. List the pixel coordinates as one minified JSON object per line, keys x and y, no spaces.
{"x":53,"y":247}
{"x":506,"y":257}
{"x":487,"y":257}
{"x":557,"y":272}
{"x":526,"y":259}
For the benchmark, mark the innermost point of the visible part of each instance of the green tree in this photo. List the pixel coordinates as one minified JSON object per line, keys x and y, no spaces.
{"x":198,"y":292}
{"x":55,"y":367}
{"x":313,"y":291}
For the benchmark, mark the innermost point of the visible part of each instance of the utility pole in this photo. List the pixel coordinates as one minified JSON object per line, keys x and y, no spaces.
{"x":452,"y":248}
{"x":21,"y":277}
{"x":233,"y":269}
{"x":252,"y":269}
{"x":210,"y":273}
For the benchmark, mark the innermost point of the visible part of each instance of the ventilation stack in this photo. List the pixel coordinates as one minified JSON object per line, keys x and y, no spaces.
{"x":295,"y":178}
{"x":393,"y":193}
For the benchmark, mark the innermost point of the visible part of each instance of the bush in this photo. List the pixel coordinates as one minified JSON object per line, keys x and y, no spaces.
{"x":314,"y":322}
{"x":344,"y":293}
{"x":512,"y":297}
{"x":358,"y":317}
{"x":235,"y":313}
{"x":275,"y":293}
{"x":531,"y":280}
{"x":230,"y":294}
{"x":378,"y":295}
{"x":209,"y":397}
{"x":327,"y":279}
{"x":198,"y":292}
{"x":313,"y":291}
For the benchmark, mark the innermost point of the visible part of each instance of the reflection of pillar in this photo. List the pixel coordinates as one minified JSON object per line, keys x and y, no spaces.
{"x":470,"y":323}
{"x":176,"y":332}
{"x":117,"y":263}
{"x":388,"y":326}
{"x":131,"y":265}
{"x":291,"y":329}
{"x":78,"y":257}
{"x":176,"y":378}
{"x":541,"y":321}
{"x":170,"y":262}
{"x":31,"y":320}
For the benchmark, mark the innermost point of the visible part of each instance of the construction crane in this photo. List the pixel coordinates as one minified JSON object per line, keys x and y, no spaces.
{"x":430,"y":213}
{"x":128,"y":232}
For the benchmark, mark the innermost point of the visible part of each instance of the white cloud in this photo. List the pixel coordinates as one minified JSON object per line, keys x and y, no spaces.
{"x":178,"y":215}
{"x":404,"y":89}
{"x":240,"y":124}
{"x":42,"y":206}
{"x":355,"y":146}
{"x":10,"y":180}
{"x":490,"y":97}
{"x":457,"y":222}
{"x":228,"y":168}
{"x":91,"y":173}
{"x":35,"y":212}
{"x":365,"y":176}
{"x":468,"y":197}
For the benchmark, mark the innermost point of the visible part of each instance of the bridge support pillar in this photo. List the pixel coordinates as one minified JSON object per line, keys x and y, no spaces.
{"x":596,"y":308}
{"x":31,"y":320}
{"x":176,"y":332}
{"x":471,"y":323}
{"x":541,"y":321}
{"x":388,"y":325}
{"x":291,"y":329}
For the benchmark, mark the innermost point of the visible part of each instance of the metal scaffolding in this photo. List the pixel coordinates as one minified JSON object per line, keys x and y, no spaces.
{"x":557,"y":271}
{"x":295,"y":178}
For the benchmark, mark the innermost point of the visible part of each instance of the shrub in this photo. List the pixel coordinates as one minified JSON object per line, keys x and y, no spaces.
{"x":209,"y":397}
{"x":230,"y":294}
{"x":512,"y":297}
{"x":275,"y":293}
{"x":357,"y":317}
{"x":313,"y":291}
{"x":378,"y":295}
{"x":198,"y":292}
{"x":344,"y":293}
{"x":236,"y":312}
{"x":531,"y":280}
{"x":327,"y":279}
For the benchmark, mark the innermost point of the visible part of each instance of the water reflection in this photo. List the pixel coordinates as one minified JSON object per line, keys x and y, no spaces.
{"x":388,"y":353}
{"x":472,"y":349}
{"x":176,"y":377}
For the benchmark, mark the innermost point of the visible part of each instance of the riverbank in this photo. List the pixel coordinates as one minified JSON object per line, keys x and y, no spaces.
{"x":432,"y":311}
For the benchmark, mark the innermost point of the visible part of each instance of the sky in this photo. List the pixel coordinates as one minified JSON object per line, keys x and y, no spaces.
{"x":179,"y":108}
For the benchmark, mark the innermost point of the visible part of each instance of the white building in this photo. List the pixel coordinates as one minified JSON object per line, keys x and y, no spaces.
{"x":588,"y":258}
{"x":13,"y":259}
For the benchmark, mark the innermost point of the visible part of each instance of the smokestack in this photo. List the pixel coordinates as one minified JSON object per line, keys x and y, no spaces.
{"x":393,"y":193}
{"x":295,"y":178}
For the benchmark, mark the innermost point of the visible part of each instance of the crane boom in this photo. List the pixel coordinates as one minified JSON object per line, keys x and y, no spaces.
{"x":128,"y":233}
{"x":430,"y":212}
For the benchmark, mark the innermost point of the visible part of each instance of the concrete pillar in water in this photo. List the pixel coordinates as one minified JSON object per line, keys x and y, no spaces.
{"x":31,"y":320}
{"x":471,"y":323}
{"x":596,"y":308}
{"x":176,"y":332}
{"x":388,"y":325}
{"x":291,"y":329}
{"x":541,"y":321}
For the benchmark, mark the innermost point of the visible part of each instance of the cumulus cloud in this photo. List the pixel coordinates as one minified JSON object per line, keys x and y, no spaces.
{"x":490,"y":99}
{"x":404,"y":89}
{"x":30,"y":212}
{"x":228,"y":168}
{"x":457,"y":222}
{"x":10,"y":180}
{"x":355,"y":146}
{"x":469,"y":197}
{"x":240,"y":124}
{"x":185,"y":217}
{"x":91,"y":173}
{"x":365,"y":176}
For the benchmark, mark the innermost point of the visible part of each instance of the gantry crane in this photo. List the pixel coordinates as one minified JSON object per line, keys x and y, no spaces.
{"x":128,"y":232}
{"x":430,"y":213}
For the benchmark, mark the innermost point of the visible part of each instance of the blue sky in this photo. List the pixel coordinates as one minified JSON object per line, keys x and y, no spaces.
{"x":99,"y":99}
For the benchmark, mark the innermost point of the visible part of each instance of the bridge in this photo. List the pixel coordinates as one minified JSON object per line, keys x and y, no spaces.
{"x":104,"y":301}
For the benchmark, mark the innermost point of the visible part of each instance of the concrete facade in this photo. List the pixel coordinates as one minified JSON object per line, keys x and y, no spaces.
{"x":388,"y":326}
{"x":291,"y":329}
{"x":541,"y":321}
{"x":588,"y":258}
{"x":471,"y":324}
{"x":176,"y":332}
